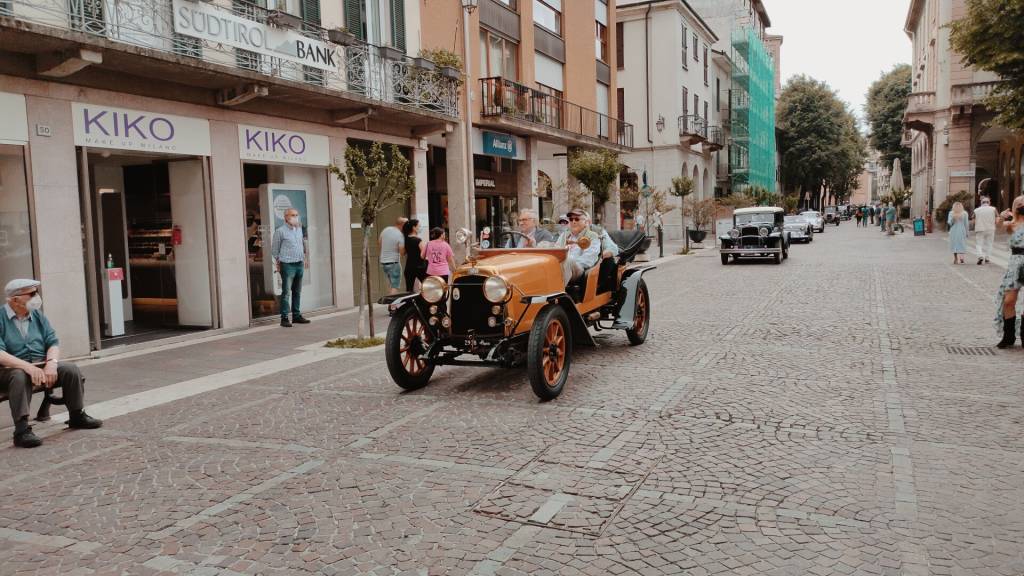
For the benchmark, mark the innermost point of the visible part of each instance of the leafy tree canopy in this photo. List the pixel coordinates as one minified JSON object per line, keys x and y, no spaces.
{"x":991,"y":37}
{"x":886,"y":102}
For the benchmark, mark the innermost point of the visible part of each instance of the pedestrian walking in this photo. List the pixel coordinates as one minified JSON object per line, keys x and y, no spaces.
{"x":857,"y":214}
{"x":392,"y":243}
{"x":958,"y":223}
{"x":291,"y":256}
{"x":881,"y":216}
{"x":871,"y":214}
{"x":30,"y":356}
{"x":438,"y":254}
{"x":984,"y":229}
{"x":1006,"y":299}
{"x":415,"y":266}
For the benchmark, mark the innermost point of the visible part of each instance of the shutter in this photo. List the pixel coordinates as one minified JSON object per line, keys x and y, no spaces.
{"x":398,"y":24}
{"x":620,"y":46}
{"x":620,"y":97}
{"x":354,"y":18}
{"x":311,"y":11}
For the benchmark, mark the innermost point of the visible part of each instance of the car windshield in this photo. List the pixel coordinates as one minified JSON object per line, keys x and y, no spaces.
{"x":809,"y":214}
{"x":755,"y":218}
{"x":795,"y":220}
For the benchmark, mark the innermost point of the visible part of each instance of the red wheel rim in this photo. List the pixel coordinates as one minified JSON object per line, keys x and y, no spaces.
{"x":412,"y":345}
{"x":640,"y":322}
{"x":554,"y":354}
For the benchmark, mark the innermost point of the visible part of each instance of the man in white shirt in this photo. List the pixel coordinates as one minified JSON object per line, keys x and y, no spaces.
{"x":392,"y":246}
{"x":984,"y":229}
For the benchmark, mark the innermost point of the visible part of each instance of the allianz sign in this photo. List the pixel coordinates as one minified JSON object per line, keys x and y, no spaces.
{"x":217,"y":25}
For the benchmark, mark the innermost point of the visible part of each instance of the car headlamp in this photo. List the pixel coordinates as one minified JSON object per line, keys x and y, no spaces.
{"x":734,"y":233}
{"x":433,"y":289}
{"x":495,"y":289}
{"x":764,"y":231}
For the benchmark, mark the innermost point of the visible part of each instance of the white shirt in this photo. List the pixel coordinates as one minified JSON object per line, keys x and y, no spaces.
{"x":985,"y":219}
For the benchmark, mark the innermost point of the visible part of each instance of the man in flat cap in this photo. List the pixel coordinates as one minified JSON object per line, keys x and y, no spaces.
{"x":579,"y":259}
{"x":30,"y":356}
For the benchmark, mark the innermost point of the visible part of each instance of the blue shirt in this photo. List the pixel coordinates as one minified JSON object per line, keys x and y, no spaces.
{"x":288,"y":245}
{"x":38,"y":338}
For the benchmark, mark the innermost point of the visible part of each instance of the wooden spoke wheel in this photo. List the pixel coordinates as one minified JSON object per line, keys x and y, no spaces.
{"x":406,"y":342}
{"x":641,"y":316}
{"x":549,"y":352}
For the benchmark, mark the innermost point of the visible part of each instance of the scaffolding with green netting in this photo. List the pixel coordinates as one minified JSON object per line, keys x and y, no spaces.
{"x":752,"y":145}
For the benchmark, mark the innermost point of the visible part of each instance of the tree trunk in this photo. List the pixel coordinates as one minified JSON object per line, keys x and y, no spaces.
{"x":369,"y":295}
{"x":364,"y":279}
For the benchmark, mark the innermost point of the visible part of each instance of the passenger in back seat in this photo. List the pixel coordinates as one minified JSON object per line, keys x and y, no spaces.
{"x":579,"y":259}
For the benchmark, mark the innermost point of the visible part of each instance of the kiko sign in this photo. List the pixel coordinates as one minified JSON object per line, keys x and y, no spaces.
{"x":213,"y":24}
{"x":283,"y":146}
{"x":121,"y":129}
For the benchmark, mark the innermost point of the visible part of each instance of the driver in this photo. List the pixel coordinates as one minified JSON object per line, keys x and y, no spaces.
{"x":531,"y":234}
{"x":578,"y":260}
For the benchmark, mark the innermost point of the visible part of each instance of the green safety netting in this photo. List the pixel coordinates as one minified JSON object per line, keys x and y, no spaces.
{"x":752,"y":150}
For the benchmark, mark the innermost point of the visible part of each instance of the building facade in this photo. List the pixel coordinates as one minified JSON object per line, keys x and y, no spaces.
{"x":672,"y":97}
{"x":953,"y":147}
{"x":542,"y":83}
{"x":166,"y":138}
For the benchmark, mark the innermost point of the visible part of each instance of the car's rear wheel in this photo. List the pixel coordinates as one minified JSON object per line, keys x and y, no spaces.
{"x":641,"y":316}
{"x":549,"y":353}
{"x":406,"y":341}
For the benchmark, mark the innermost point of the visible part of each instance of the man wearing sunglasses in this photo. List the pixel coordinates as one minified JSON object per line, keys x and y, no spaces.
{"x":30,"y":356}
{"x":579,"y":259}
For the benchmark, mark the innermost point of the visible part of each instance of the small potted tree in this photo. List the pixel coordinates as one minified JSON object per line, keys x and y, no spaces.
{"x":595,"y":169}
{"x":702,"y":212}
{"x":681,"y":188}
{"x":449,"y":63}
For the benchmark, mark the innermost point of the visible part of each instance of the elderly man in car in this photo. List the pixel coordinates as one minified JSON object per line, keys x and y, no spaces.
{"x":30,"y":356}
{"x":579,"y":259}
{"x":532,"y":235}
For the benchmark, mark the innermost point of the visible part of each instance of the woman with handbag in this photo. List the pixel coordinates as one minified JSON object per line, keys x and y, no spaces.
{"x":1006,"y":318}
{"x":415,"y":265}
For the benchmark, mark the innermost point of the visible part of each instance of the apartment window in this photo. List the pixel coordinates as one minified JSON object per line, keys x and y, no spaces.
{"x":705,"y":112}
{"x":686,"y":102}
{"x":705,"y":64}
{"x":498,"y":56}
{"x":620,"y":46}
{"x":696,"y":104}
{"x":548,"y":14}
{"x":549,"y":72}
{"x":510,"y":4}
{"x":620,"y":101}
{"x":601,"y":42}
{"x":602,"y":107}
{"x":686,"y":54}
{"x":718,"y":94}
{"x":696,"y":41}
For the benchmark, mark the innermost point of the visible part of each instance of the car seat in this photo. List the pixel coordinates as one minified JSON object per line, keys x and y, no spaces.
{"x":630,"y":243}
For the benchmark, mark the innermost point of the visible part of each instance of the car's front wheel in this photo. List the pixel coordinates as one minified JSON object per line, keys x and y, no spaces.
{"x":549,"y":352}
{"x":406,"y":341}
{"x":725,"y":259}
{"x":778,"y":258}
{"x":641,"y":316}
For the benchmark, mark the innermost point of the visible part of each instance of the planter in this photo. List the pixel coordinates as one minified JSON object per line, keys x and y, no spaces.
{"x":282,"y":19}
{"x":697,"y":236}
{"x":450,"y":72}
{"x":391,"y":53}
{"x":342,"y":37}
{"x":423,"y":63}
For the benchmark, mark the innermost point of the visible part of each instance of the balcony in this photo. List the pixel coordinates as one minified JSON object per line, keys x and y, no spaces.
{"x":715,"y":140}
{"x":293,"y":63}
{"x":530,"y":112}
{"x":692,"y":130}
{"x":920,"y":113}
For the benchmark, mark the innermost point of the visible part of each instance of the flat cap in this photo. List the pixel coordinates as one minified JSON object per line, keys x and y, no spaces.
{"x":579,"y":212}
{"x":19,"y":284}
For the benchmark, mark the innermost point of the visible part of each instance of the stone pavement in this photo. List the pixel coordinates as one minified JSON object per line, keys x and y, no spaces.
{"x":842,"y":413}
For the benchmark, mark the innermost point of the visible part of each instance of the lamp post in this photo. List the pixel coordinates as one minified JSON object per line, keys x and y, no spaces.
{"x":468,"y":6}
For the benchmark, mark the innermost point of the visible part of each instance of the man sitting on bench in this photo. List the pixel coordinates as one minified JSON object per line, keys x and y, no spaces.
{"x":30,"y":356}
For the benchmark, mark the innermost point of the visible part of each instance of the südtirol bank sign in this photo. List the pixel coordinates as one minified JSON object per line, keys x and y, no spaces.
{"x":214,"y":24}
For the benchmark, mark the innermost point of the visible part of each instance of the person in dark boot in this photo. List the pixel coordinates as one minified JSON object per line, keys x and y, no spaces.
{"x":30,"y":356}
{"x":1006,"y":318}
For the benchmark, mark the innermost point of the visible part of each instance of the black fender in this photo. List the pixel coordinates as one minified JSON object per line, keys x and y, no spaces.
{"x":627,"y":305}
{"x":418,"y":304}
{"x":580,"y":333}
{"x":401,"y":302}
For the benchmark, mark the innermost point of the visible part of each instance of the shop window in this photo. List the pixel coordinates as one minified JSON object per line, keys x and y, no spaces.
{"x":15,"y":230}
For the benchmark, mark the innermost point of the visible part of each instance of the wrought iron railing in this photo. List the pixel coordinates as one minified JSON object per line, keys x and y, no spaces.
{"x":362,"y":68}
{"x":715,"y":136}
{"x":693,"y":125}
{"x":501,"y":97}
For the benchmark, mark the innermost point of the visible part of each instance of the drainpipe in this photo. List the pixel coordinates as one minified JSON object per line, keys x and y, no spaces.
{"x":647,"y":69}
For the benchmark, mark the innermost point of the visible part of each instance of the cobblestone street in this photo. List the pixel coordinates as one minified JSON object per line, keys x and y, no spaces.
{"x":842,"y":413}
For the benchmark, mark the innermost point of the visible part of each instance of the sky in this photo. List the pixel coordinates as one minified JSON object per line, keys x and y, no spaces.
{"x":846,"y":44}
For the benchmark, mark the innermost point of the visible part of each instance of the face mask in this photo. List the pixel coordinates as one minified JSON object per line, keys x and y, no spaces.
{"x":294,"y":220}
{"x":34,"y":303}
{"x":1020,"y":210}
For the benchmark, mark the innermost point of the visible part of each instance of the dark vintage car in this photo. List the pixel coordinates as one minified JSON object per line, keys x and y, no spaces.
{"x":832,"y":215}
{"x":799,"y":228}
{"x":756,"y":232}
{"x":510,"y":307}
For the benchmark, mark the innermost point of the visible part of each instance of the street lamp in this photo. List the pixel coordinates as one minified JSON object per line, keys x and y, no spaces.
{"x":468,"y":6}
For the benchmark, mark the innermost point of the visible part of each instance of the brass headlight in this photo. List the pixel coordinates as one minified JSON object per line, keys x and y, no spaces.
{"x":734,"y":233}
{"x":764,"y":231}
{"x":496,"y":289}
{"x":433,"y":289}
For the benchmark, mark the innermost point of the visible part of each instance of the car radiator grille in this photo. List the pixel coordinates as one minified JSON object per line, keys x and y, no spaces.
{"x":471,"y":310}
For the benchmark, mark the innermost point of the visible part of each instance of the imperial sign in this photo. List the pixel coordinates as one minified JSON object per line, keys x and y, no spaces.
{"x":214,"y":24}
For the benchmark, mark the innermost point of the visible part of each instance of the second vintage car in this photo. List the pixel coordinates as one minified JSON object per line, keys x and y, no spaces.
{"x":816,"y":220}
{"x":799,"y":228}
{"x":756,"y":232}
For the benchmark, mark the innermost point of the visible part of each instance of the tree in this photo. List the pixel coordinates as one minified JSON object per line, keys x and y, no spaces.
{"x":823,"y":152}
{"x":991,"y":37}
{"x":375,"y":182}
{"x":595,"y":169}
{"x":682,"y":186}
{"x":790,"y":202}
{"x":702,"y":212}
{"x":886,"y":102}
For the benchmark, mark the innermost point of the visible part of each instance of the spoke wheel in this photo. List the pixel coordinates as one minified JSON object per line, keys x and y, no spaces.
{"x":549,"y":352}
{"x":407,"y":340}
{"x":642,"y":316}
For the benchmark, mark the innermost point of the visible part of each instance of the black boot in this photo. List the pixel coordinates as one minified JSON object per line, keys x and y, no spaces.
{"x":1009,"y":333}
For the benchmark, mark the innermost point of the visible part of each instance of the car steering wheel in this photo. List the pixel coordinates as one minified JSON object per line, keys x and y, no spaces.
{"x":512,"y":233}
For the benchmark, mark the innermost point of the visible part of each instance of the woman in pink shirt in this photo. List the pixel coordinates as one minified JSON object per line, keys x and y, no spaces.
{"x":438,"y":254}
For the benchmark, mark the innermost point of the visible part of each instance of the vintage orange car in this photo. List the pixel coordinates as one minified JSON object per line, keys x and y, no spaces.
{"x":509,"y":307}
